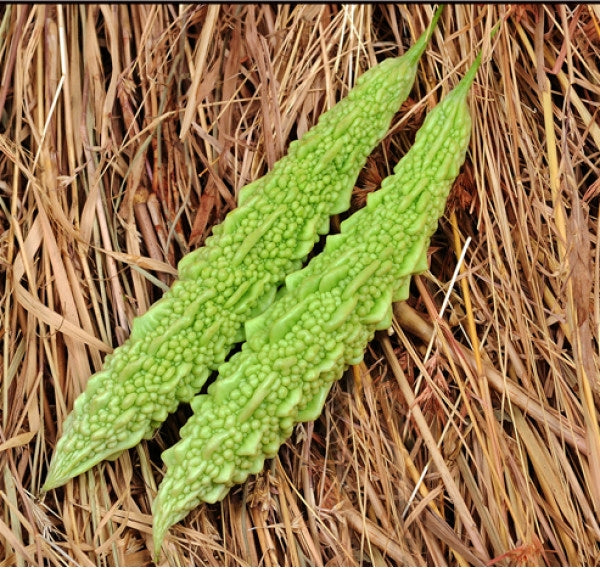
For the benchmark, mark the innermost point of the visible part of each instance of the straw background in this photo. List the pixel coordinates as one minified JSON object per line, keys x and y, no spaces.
{"x":470,"y":434}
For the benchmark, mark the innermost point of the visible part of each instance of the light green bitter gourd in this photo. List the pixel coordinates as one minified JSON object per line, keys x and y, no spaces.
{"x":319,"y":325}
{"x":189,"y":332}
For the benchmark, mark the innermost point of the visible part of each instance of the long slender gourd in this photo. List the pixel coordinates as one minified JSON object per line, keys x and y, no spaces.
{"x":319,"y":325}
{"x":189,"y":332}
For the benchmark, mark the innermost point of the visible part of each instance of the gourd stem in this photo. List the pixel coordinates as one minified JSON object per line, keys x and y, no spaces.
{"x":415,"y":52}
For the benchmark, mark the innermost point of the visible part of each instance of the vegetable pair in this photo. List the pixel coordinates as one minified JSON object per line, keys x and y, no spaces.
{"x":298,"y":345}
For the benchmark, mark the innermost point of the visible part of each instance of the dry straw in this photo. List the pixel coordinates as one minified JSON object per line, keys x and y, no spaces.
{"x":471,"y":433}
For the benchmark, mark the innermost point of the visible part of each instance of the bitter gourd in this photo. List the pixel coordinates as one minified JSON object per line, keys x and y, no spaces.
{"x":189,"y":332}
{"x":319,"y":325}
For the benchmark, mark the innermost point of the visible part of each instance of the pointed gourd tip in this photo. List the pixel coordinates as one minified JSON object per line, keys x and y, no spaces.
{"x":465,"y":83}
{"x":436,"y":17}
{"x":157,"y":548}
{"x":495,"y":29}
{"x":419,"y":46}
{"x":434,"y":21}
{"x":53,"y":480}
{"x":470,"y":75}
{"x":66,"y":467}
{"x":158,"y":530}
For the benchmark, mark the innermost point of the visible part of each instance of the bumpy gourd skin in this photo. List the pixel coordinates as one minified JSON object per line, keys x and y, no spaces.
{"x":319,"y":325}
{"x":189,"y":332}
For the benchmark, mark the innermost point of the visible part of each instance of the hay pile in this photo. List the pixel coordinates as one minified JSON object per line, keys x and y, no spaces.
{"x":470,"y":435}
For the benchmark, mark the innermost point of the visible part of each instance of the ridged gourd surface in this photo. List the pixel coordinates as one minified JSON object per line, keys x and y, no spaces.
{"x":319,"y":325}
{"x":189,"y":332}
